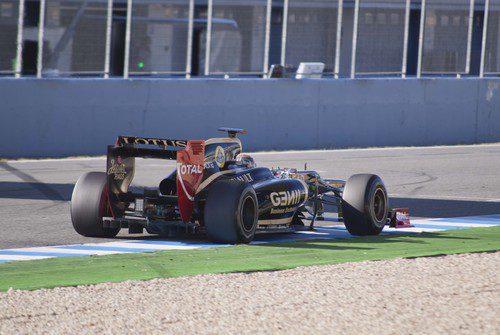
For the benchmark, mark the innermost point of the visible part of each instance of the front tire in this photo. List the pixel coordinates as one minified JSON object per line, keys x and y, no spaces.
{"x":89,"y":203}
{"x":365,"y":205}
{"x":231,"y":212}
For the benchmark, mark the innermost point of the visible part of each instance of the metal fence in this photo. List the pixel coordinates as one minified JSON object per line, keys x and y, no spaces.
{"x":9,"y":35}
{"x":309,"y":33}
{"x":160,"y":37}
{"x":237,"y":37}
{"x":447,"y":36}
{"x":74,"y":37}
{"x":240,"y":37}
{"x":491,"y":33}
{"x":381,"y":37}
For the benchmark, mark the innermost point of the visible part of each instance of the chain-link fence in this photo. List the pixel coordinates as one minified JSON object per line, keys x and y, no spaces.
{"x":75,"y":37}
{"x":382,"y":36}
{"x":492,"y":43}
{"x":243,"y":37}
{"x":9,"y":17}
{"x":447,"y":36}
{"x":160,"y":36}
{"x":237,"y":39}
{"x":310,"y":33}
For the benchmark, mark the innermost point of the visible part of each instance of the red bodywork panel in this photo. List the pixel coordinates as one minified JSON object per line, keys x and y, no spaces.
{"x":400,"y":218}
{"x":190,"y":163}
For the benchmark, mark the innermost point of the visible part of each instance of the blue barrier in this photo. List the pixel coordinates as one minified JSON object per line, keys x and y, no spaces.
{"x":60,"y":117}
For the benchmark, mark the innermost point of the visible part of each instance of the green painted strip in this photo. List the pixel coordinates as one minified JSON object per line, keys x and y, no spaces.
{"x":273,"y":256}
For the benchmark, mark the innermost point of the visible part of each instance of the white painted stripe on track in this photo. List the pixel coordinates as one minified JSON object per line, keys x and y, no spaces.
{"x":57,"y":249}
{"x":22,"y":257}
{"x":412,"y":230}
{"x":443,"y":197}
{"x":289,"y":152}
{"x":328,"y":231}
{"x":136,"y":244}
{"x":454,"y":224}
{"x":294,"y":152}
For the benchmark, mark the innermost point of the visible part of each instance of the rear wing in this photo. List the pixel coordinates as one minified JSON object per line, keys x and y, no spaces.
{"x":161,"y":142}
{"x":190,"y":157}
{"x":120,"y":164}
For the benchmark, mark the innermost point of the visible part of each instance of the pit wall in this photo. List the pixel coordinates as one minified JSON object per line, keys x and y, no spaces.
{"x":63,"y":117}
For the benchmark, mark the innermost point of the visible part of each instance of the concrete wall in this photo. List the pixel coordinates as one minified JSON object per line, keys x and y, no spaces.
{"x":59,"y":117}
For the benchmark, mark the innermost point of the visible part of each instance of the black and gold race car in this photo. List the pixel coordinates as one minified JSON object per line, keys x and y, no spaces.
{"x":218,"y":190}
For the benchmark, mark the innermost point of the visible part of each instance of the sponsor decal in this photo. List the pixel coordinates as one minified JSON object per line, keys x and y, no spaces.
{"x":220,"y":156}
{"x":283,"y":210}
{"x":190,"y":169}
{"x":285,"y":198}
{"x":244,"y":177}
{"x":190,"y":162}
{"x":154,"y":141}
{"x":402,"y":216}
{"x":118,"y":169}
{"x":209,"y":165}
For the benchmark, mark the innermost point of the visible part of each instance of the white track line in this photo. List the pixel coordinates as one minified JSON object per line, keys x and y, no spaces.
{"x":372,"y":149}
{"x":135,"y":244}
{"x":132,"y":246}
{"x":289,"y":152}
{"x":452,"y":223}
{"x":57,"y":250}
{"x":22,"y":257}
{"x":444,"y":197}
{"x":412,"y":230}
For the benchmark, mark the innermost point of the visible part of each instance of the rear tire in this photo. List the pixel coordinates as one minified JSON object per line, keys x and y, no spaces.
{"x":89,"y":203}
{"x":365,"y":205}
{"x":231,"y":212}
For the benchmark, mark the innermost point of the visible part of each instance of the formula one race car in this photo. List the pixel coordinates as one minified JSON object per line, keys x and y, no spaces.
{"x":218,"y":190}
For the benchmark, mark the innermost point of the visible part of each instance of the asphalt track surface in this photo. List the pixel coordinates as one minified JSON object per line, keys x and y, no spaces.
{"x":434,"y":182}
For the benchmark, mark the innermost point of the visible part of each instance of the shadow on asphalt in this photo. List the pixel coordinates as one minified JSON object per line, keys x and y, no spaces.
{"x":438,"y":208}
{"x":35,"y":190}
{"x":426,"y":208}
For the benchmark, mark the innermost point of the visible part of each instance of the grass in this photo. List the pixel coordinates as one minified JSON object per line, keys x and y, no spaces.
{"x":73,"y":271}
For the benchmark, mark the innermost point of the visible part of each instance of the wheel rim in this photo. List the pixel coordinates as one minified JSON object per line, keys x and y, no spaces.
{"x":379,"y":204}
{"x":248,"y":214}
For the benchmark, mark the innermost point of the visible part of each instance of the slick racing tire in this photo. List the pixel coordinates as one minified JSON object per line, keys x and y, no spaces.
{"x":365,"y":204}
{"x":89,"y":203}
{"x":231,"y":212}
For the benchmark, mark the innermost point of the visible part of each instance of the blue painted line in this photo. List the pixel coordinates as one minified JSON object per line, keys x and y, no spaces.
{"x":336,"y":228}
{"x":339,"y":228}
{"x":468,"y":220}
{"x":104,"y":248}
{"x":38,"y":253}
{"x":490,"y":216}
{"x":174,"y":243}
{"x":440,"y":227}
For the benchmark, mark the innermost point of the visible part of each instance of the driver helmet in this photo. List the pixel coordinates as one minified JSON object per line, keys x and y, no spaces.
{"x":245,"y":160}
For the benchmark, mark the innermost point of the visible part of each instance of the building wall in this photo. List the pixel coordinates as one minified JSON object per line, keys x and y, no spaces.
{"x":61,"y":117}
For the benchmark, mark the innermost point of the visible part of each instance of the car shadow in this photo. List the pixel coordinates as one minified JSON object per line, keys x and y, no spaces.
{"x":35,"y":190}
{"x":426,"y":208}
{"x":354,"y":243}
{"x":439,"y":208}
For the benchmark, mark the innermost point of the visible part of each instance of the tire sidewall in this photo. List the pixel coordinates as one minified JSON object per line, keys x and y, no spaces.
{"x":223,"y":212}
{"x":357,"y":204}
{"x":87,"y":201}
